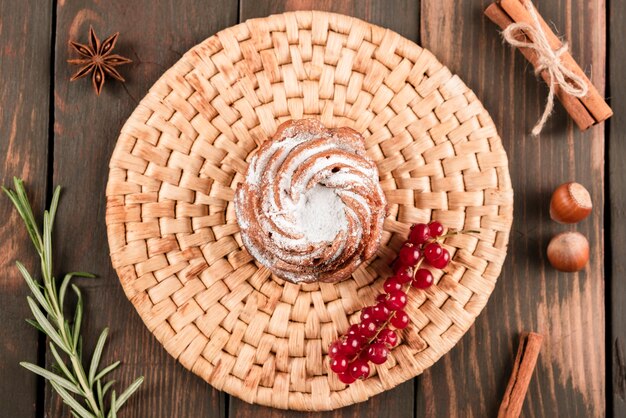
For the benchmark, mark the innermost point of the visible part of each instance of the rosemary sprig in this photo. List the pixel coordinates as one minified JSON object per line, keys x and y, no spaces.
{"x":83,"y":390}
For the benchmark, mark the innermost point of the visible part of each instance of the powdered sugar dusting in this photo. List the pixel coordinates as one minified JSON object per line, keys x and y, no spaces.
{"x":320,"y":214}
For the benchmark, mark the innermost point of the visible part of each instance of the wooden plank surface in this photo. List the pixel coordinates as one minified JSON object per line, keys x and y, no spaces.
{"x":24,"y":125}
{"x":567,"y":308}
{"x":403,"y":17}
{"x":154,"y":35}
{"x":616,"y":285}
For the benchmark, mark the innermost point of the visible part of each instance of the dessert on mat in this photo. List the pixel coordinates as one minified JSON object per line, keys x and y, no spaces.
{"x":311,"y":207}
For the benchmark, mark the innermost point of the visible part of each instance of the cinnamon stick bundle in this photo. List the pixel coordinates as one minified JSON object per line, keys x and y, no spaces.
{"x":525,"y":361}
{"x":586,"y":111}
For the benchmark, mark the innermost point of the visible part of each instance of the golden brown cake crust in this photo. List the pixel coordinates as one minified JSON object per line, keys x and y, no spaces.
{"x":311,"y":207}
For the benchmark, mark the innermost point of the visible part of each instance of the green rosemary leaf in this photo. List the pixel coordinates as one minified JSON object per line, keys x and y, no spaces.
{"x":27,"y":214}
{"x":80,"y":374}
{"x":61,"y":364}
{"x":35,"y":324}
{"x":55,"y":378}
{"x":55,"y":294}
{"x":78,"y":316}
{"x":97,"y":354}
{"x":54,"y":204}
{"x":107,"y":370}
{"x":66,"y":281}
{"x":20,"y":201}
{"x":100,"y":395}
{"x":113,"y":410}
{"x":45,"y":324}
{"x":68,"y":330}
{"x":46,"y":258}
{"x":79,"y":348}
{"x":71,"y":402}
{"x":55,"y":369}
{"x":83,"y":274}
{"x":33,"y":286}
{"x":107,"y":386}
{"x":132,"y":388}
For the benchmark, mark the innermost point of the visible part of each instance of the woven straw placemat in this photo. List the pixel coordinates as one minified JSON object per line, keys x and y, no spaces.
{"x":175,"y":242}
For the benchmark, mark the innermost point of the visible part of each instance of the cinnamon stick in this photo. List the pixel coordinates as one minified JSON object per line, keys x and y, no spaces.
{"x":585,"y":111}
{"x":572,"y":105}
{"x":525,"y":360}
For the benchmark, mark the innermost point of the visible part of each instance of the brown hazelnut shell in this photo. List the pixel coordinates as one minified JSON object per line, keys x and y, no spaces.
{"x":570,"y":203}
{"x":568,"y":251}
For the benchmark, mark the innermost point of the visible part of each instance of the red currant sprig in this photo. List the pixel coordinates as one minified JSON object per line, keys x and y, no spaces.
{"x":376,"y":334}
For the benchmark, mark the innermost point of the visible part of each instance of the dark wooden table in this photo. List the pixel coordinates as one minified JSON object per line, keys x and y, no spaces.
{"x":56,"y":132}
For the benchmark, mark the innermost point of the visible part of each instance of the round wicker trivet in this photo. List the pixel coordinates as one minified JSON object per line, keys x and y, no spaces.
{"x":175,"y":241}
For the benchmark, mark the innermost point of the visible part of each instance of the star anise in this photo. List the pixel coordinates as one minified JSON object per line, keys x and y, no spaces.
{"x":98,"y":60}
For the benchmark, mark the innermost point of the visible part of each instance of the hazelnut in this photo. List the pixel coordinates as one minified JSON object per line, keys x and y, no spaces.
{"x":568,"y":251}
{"x":570,"y":203}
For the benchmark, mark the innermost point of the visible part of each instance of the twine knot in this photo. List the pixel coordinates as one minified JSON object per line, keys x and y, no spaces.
{"x":548,"y":60}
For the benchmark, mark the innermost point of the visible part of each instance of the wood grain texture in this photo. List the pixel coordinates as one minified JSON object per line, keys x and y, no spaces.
{"x":567,"y":308}
{"x":154,"y":35}
{"x":24,"y":104}
{"x":616,"y":286}
{"x":403,"y":17}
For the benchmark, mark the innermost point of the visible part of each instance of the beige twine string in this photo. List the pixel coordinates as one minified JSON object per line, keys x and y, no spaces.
{"x":548,"y":59}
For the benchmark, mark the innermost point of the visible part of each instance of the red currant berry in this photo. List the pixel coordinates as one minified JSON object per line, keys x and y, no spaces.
{"x":397,"y":265}
{"x":409,"y":254}
{"x":423,"y":279}
{"x":443,"y":261}
{"x":377,"y":353}
{"x":432,"y":252}
{"x":388,"y":336}
{"x":380,"y":312}
{"x":435,"y":228}
{"x":419,"y":234}
{"x":353,"y":330}
{"x":381,"y":298}
{"x":368,"y":328}
{"x":339,"y":364}
{"x":334,"y":349}
{"x":400,"y":320}
{"x":346,"y":378}
{"x":405,"y":275}
{"x":351,"y":345}
{"x":392,"y":284}
{"x":397,"y":300}
{"x":366,"y":313}
{"x":359,"y":369}
{"x":363,"y":354}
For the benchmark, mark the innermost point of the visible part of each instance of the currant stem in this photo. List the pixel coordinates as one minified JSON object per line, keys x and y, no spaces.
{"x":408,"y":257}
{"x":392,"y":315}
{"x":415,"y":268}
{"x":453,"y":233}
